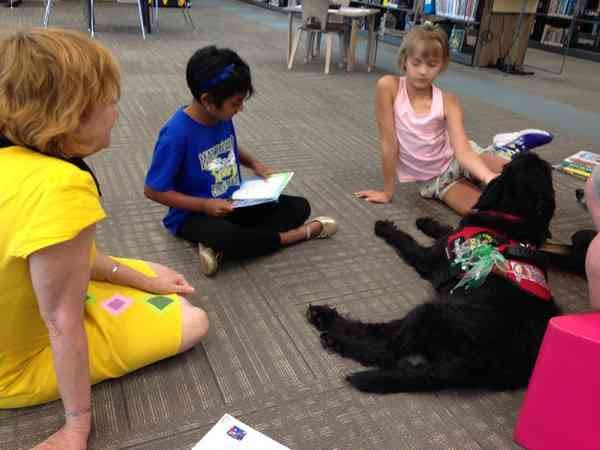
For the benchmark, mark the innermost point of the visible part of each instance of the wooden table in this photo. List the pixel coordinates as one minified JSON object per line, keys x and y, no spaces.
{"x":355,"y":14}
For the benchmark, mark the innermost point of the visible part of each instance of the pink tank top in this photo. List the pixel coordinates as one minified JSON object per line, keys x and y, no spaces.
{"x":424,"y":150}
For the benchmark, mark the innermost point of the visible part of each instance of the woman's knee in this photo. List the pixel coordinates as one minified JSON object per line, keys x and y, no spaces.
{"x":194,"y":325}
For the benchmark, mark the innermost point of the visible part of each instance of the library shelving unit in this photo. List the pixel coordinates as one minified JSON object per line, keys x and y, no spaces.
{"x":571,"y":27}
{"x":481,"y":32}
{"x":396,"y":16}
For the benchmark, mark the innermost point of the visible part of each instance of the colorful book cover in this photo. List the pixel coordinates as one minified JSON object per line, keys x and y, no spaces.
{"x":580,"y":165}
{"x":257,"y":190}
{"x":456,"y":39}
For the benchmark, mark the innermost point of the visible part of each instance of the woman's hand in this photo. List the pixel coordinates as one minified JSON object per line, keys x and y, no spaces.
{"x":374,"y":196}
{"x":72,"y":436}
{"x":167,"y":281}
{"x":218,"y":208}
{"x":262,"y":170}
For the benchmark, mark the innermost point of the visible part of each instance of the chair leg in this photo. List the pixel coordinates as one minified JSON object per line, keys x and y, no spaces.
{"x":294,"y":48}
{"x":328,"y":52}
{"x":186,"y":13}
{"x":92,"y":18}
{"x":317,"y":47}
{"x":140,"y":13}
{"x":310,"y":37}
{"x":376,"y":47}
{"x":343,"y":49}
{"x":156,"y":18}
{"x":47,"y":10}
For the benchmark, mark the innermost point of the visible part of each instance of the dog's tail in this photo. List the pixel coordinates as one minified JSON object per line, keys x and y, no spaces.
{"x":423,"y":376}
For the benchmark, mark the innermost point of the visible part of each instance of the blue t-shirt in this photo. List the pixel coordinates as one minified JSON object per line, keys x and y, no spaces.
{"x":195,"y":160}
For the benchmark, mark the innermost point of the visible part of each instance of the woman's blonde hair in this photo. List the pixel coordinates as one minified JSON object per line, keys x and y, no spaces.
{"x":49,"y":80}
{"x":429,"y":39}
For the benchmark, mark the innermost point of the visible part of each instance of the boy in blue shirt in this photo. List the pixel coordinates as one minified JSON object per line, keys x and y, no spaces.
{"x":196,"y":168}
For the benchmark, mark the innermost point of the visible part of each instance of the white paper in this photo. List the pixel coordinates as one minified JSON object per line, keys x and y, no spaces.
{"x":231,"y":434}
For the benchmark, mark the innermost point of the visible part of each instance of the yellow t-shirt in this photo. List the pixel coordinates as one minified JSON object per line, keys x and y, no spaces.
{"x":43,"y":201}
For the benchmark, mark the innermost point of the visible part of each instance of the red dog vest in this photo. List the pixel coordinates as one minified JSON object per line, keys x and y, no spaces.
{"x":527,"y":276}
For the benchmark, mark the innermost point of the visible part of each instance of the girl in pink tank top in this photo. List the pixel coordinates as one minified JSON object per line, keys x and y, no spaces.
{"x":421,"y":129}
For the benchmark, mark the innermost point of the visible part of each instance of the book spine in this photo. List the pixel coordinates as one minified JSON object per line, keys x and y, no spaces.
{"x":575,"y":172}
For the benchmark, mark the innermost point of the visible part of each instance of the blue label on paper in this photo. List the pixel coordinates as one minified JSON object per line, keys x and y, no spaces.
{"x":236,"y":433}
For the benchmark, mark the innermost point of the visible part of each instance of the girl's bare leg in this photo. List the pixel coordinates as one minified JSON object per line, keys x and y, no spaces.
{"x":461,"y":197}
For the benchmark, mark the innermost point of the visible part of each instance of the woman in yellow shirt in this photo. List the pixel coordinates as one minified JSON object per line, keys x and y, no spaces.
{"x":71,"y":316}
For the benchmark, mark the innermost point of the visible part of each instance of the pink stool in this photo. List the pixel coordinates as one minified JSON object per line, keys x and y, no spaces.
{"x":561,"y":410}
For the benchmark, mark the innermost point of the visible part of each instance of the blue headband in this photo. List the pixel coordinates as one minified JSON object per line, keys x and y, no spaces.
{"x":218,"y":77}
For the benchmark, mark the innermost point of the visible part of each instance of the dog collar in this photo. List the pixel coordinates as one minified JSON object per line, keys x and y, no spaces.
{"x":500,"y":214}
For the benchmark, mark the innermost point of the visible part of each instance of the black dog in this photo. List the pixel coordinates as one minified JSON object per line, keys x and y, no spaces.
{"x":481,"y":337}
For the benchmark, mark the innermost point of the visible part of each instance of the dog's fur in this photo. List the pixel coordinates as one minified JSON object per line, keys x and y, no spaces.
{"x":485,"y":337}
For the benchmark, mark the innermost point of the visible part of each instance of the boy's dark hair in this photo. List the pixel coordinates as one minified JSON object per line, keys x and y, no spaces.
{"x":218,"y":72}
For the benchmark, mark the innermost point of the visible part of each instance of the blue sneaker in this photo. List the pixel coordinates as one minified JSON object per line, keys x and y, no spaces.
{"x":508,"y":145}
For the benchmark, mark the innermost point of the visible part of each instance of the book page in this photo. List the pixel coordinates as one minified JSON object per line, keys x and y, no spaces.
{"x":231,"y":434}
{"x":257,"y":188}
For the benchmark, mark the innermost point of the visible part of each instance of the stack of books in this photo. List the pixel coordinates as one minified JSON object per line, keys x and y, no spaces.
{"x":580,"y":165}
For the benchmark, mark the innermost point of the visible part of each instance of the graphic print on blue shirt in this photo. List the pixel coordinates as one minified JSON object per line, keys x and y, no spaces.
{"x":221,"y":162}
{"x":195,"y":160}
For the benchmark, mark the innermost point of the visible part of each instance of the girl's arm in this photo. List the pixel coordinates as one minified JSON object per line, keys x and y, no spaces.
{"x":466,"y":157}
{"x":384,"y":113}
{"x":166,"y":281}
{"x":211,"y":206}
{"x":249,"y":161}
{"x":60,"y":275}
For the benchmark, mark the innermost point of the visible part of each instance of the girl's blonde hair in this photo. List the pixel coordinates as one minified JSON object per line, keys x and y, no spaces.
{"x":429,"y":39}
{"x":49,"y":80}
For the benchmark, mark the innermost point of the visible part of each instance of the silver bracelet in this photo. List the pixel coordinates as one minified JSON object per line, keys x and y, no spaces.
{"x":114,"y":270}
{"x":72,"y":414}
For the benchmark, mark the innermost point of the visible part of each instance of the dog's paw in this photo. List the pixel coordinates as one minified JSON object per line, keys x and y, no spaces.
{"x":366,"y":381}
{"x":431,"y":227}
{"x":427,"y":225}
{"x":321,"y":316}
{"x":384,"y":228}
{"x":330,"y":343}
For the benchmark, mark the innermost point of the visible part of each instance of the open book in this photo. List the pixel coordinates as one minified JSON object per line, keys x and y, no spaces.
{"x":229,"y":434}
{"x":580,"y":165}
{"x":257,"y":190}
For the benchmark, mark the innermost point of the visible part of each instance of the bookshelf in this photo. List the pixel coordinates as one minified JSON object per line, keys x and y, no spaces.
{"x":568,"y":26}
{"x":486,"y":29}
{"x":483,"y":29}
{"x":396,"y":16}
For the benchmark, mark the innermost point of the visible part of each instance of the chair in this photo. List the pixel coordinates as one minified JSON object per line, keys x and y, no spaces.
{"x":316,"y":50}
{"x":91,"y":17}
{"x":315,"y":20}
{"x":561,"y":404}
{"x":184,"y":5}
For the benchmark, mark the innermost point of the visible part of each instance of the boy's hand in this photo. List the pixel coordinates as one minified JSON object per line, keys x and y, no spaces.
{"x":262,"y":170}
{"x":218,"y":208}
{"x":374,"y":196}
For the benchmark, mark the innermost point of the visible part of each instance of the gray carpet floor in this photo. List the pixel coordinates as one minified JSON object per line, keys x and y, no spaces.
{"x":261,"y":361}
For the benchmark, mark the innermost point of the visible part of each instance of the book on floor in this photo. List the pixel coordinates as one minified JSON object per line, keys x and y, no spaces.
{"x":231,"y":434}
{"x":256,"y":191}
{"x":580,"y":165}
